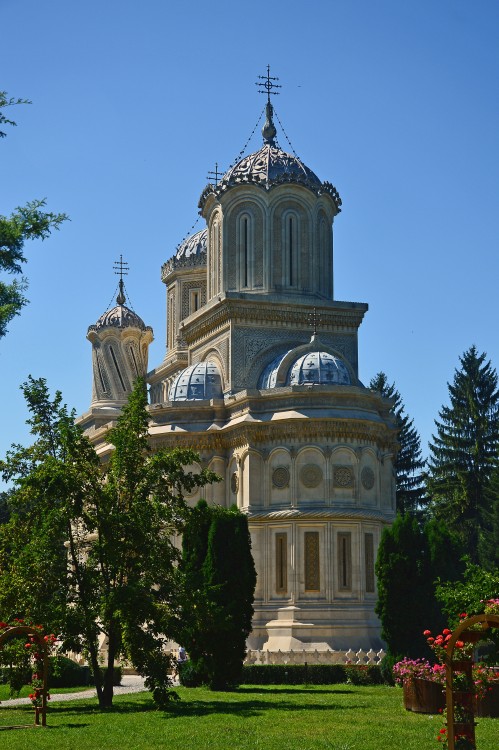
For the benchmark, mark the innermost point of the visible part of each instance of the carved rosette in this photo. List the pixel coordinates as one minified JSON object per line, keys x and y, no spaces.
{"x":280,"y":477}
{"x":343,"y":476}
{"x":367,"y":478}
{"x":311,"y":476}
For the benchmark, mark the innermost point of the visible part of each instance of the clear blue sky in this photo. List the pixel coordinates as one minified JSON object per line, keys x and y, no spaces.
{"x":396,"y":103}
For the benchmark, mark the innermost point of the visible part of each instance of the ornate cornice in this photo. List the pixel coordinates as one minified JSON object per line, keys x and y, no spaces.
{"x":184,"y":263}
{"x":322,"y":514}
{"x":277,"y":314}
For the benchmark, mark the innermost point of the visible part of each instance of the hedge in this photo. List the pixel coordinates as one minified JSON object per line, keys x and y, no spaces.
{"x":311,"y":674}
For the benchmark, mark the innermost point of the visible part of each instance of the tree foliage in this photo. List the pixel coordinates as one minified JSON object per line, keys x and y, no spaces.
{"x":469,"y":594}
{"x":410,"y":559}
{"x":8,"y":101}
{"x":28,"y":222}
{"x":409,"y":462}
{"x":88,"y":549}
{"x":219,"y":583}
{"x":464,"y":452}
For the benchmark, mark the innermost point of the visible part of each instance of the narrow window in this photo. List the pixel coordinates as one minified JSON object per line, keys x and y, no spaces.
{"x":369,"y":562}
{"x":281,"y":563}
{"x":312,"y":567}
{"x":117,"y":368}
{"x":344,"y":561}
{"x":245,"y":250}
{"x":101,"y":377}
{"x":134,"y":361}
{"x":290,"y":250}
{"x":194,"y":301}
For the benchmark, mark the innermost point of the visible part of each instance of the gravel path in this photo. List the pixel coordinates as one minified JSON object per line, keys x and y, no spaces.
{"x":130,"y":683}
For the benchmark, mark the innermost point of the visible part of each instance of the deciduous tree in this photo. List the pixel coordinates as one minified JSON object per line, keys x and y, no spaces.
{"x":89,"y":548}
{"x":28,"y":222}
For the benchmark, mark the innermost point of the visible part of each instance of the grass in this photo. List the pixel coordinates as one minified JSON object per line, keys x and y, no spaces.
{"x":337,"y":717}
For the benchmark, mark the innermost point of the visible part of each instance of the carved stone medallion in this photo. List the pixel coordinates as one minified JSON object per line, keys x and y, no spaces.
{"x":343,"y":476}
{"x":311,"y":475}
{"x":367,"y":478}
{"x":280,"y":477}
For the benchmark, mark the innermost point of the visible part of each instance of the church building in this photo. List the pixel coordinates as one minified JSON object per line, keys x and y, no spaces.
{"x":260,"y":377}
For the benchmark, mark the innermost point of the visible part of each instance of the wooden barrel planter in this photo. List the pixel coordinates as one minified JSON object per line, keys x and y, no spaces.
{"x":423,"y":696}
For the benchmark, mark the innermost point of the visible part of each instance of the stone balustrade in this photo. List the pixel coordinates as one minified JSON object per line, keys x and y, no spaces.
{"x":315,"y":657}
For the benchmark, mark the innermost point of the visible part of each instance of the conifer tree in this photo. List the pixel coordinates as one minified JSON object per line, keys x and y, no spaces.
{"x":410,"y":492}
{"x":219,"y":580}
{"x":464,"y":452}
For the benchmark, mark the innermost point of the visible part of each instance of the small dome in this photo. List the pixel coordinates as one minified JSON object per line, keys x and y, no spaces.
{"x":197,"y":383}
{"x":314,"y":367}
{"x":193,"y":245}
{"x":269,"y":166}
{"x":320,"y":368}
{"x":269,"y":375}
{"x":120,"y":317}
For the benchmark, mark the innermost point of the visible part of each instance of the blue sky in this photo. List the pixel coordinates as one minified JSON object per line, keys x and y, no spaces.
{"x":396,"y":103}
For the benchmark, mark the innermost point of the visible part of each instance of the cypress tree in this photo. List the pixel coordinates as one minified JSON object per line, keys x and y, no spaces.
{"x":464,"y":452}
{"x":410,"y":490}
{"x":410,"y":560}
{"x":218,"y":580}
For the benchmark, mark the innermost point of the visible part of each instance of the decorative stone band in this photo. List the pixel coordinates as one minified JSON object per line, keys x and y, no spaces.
{"x":325,"y":188}
{"x":315,"y":657}
{"x":328,"y":514}
{"x":339,"y":318}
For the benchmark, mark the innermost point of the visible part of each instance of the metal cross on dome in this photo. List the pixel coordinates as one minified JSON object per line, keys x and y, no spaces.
{"x":268,"y":86}
{"x":314,"y":320}
{"x":121,"y":269}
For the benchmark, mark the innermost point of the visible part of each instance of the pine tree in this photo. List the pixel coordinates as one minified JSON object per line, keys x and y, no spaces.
{"x":410,"y":490}
{"x":464,"y":451}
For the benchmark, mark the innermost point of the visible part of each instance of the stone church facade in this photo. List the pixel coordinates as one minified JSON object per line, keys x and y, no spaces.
{"x":260,"y":377}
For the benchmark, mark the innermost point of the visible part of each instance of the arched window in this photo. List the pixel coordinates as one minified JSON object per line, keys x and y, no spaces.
{"x":291,"y":250}
{"x":215,"y":274}
{"x":245,"y":242}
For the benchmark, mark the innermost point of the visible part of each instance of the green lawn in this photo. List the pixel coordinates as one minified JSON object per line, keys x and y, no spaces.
{"x":337,"y":717}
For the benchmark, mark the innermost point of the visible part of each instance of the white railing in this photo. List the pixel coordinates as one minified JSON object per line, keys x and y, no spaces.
{"x":315,"y":657}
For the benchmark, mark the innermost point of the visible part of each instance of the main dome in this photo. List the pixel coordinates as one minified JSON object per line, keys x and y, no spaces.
{"x":197,"y":383}
{"x":270,"y":166}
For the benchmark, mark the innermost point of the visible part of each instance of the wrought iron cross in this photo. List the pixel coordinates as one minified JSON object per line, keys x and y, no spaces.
{"x":314,"y":320}
{"x":268,"y":86}
{"x":121,"y":268}
{"x":214,"y":176}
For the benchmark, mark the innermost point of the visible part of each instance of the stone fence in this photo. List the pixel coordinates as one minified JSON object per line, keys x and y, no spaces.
{"x":315,"y":657}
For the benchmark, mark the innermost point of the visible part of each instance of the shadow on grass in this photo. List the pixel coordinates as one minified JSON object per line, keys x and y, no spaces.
{"x":265,"y":689}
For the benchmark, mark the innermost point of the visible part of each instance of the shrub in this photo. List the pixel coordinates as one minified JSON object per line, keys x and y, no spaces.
{"x":190,"y":675}
{"x":312,"y":674}
{"x":64,"y":672}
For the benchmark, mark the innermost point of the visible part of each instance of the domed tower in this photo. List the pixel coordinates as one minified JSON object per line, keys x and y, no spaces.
{"x":261,"y":378}
{"x":120,"y":342}
{"x":270,"y":226}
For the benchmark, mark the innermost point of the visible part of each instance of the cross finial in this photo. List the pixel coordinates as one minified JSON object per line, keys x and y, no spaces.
{"x":268,"y":86}
{"x":314,"y":320}
{"x":121,"y":269}
{"x":214,"y":175}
